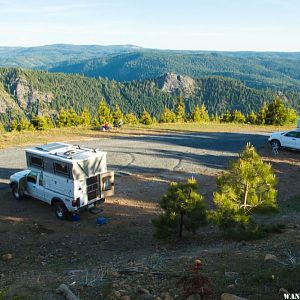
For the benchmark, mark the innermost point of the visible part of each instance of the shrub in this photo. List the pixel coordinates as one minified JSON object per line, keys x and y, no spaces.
{"x":41,"y":123}
{"x":226,"y":117}
{"x":168,"y":116}
{"x":131,"y":119}
{"x":20,"y":124}
{"x":183,"y":208}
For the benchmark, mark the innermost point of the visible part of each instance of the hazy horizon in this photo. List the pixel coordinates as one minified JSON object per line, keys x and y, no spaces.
{"x":203,"y":25}
{"x":146,"y":48}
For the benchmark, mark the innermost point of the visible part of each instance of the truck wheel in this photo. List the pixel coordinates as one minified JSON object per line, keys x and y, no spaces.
{"x":16,"y":193}
{"x":60,"y":210}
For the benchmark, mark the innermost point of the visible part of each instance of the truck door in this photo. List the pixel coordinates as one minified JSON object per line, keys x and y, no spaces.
{"x":34,"y":186}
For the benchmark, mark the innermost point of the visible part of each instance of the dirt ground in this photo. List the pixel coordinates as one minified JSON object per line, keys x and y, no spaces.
{"x":123,"y":258}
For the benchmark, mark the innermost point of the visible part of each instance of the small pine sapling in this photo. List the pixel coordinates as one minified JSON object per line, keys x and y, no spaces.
{"x":183,"y":208}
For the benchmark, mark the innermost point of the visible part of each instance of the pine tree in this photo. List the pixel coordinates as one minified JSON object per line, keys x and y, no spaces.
{"x":85,"y":117}
{"x":238,"y":117}
{"x":146,"y":118}
{"x":276,"y":113}
{"x":117,"y":115}
{"x":183,"y":209}
{"x":14,"y":125}
{"x":226,"y":117}
{"x":168,"y":116}
{"x":262,"y":114}
{"x":104,"y":113}
{"x":200,"y":114}
{"x":249,"y":184}
{"x":180,"y":109}
{"x":62,"y":118}
{"x":291,"y":116}
{"x":251,"y":118}
{"x":24,"y":124}
{"x":73,"y":118}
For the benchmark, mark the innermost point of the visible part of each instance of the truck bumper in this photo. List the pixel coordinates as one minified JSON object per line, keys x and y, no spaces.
{"x":88,"y":206}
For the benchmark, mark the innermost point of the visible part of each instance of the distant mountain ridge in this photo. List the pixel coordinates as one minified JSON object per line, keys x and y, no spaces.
{"x":279,"y":71}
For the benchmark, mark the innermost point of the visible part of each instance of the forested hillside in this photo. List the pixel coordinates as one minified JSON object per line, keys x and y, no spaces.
{"x":30,"y":93}
{"x":259,"y":71}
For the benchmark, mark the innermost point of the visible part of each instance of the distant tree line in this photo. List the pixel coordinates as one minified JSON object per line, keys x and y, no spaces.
{"x":274,"y":113}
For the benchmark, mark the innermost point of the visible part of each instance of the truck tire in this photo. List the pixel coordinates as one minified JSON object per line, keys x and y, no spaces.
{"x":15,"y":192}
{"x":60,"y":210}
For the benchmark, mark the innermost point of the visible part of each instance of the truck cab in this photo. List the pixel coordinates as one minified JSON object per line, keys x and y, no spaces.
{"x":68,"y":177}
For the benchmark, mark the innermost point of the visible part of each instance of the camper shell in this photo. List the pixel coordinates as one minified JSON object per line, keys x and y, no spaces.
{"x":75,"y":177}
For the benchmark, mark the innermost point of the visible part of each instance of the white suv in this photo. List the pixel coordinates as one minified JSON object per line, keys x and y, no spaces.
{"x":287,"y":139}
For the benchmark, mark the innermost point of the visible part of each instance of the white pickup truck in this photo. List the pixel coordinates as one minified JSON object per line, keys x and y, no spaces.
{"x":68,"y":177}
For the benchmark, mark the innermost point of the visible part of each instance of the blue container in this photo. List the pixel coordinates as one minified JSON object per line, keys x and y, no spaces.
{"x":101,"y":221}
{"x":75,"y":218}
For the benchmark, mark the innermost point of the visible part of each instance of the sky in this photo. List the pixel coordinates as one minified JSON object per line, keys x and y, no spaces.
{"x":259,"y":25}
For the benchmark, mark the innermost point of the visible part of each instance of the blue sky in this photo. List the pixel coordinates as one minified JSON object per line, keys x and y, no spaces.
{"x":261,"y":25}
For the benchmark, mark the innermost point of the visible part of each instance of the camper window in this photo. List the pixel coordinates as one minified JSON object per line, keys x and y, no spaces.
{"x":36,"y":162}
{"x":61,"y":168}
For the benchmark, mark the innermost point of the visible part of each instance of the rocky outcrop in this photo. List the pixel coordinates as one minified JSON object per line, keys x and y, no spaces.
{"x":176,"y":84}
{"x":7,"y":103}
{"x":26,"y":95}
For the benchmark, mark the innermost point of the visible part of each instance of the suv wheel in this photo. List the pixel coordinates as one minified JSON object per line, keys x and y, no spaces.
{"x":275,"y":144}
{"x":16,"y":193}
{"x":60,"y":210}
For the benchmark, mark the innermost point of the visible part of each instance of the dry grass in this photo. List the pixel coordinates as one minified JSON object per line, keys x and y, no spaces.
{"x":212,"y":127}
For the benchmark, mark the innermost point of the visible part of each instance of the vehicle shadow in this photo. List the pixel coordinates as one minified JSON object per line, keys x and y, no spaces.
{"x":217,"y":141}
